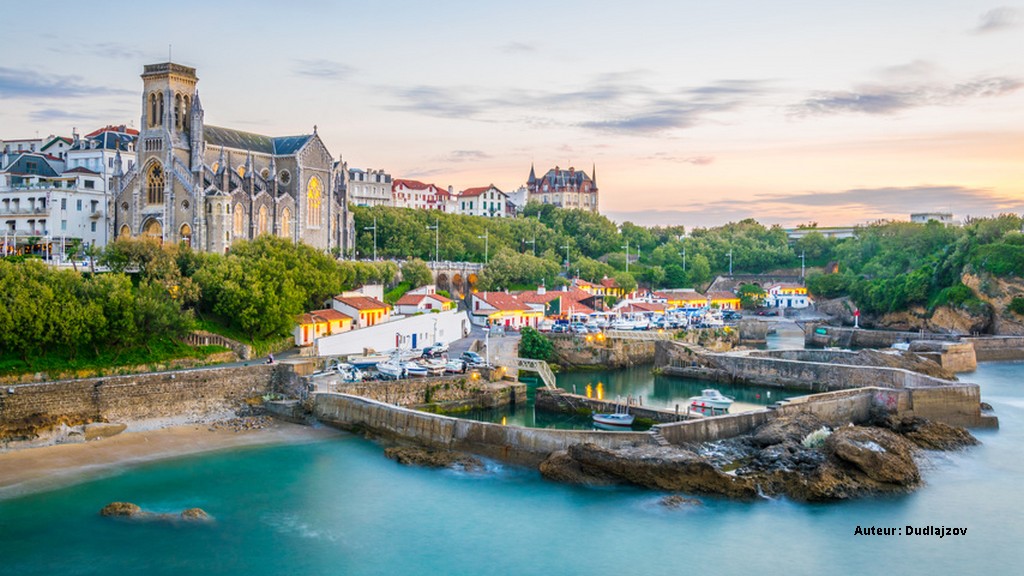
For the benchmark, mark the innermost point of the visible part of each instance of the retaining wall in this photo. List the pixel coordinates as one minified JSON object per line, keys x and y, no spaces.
{"x":140,"y":396}
{"x":508,"y":443}
{"x":863,"y":338}
{"x":998,"y":347}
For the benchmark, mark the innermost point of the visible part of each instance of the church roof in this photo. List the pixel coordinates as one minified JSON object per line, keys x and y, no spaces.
{"x":239,"y":140}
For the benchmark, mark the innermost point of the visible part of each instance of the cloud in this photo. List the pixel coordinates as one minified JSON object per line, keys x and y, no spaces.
{"x":996,"y":19}
{"x":916,"y":69}
{"x":891,"y":99}
{"x":322,"y":69}
{"x":903,"y":200}
{"x":466,"y":156}
{"x":619,"y":102}
{"x":28,"y":84}
{"x":517,"y":48}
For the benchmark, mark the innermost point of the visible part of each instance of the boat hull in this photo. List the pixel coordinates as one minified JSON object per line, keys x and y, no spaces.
{"x":616,"y":421}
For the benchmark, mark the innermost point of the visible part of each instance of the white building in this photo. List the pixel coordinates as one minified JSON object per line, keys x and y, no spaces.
{"x":787,"y":296}
{"x":48,"y":203}
{"x":369,"y":187}
{"x":419,"y":195}
{"x":486,"y":201}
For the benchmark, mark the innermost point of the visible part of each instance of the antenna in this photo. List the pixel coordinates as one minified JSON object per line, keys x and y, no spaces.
{"x":169,"y":53}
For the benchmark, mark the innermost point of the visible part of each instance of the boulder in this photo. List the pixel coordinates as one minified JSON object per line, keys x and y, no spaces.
{"x":925,"y":433}
{"x":416,"y":456}
{"x":121,"y":509}
{"x":195,"y":515}
{"x":134,"y":512}
{"x":881,"y":455}
{"x":678,"y":501}
{"x":561,"y":467}
{"x":785,"y":428}
{"x":98,"y":430}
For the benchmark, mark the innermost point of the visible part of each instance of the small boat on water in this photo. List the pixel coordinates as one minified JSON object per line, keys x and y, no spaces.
{"x":617,"y":421}
{"x":711,"y":398}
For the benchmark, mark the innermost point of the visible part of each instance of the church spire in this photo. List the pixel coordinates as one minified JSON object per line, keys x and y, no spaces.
{"x":117,"y":163}
{"x":533,"y":175}
{"x":220,"y":162}
{"x":593,"y":174}
{"x":248,"y":165}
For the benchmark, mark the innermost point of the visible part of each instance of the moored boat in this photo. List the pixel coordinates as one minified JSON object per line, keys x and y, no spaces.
{"x":616,"y":421}
{"x":711,"y":398}
{"x":414,"y":369}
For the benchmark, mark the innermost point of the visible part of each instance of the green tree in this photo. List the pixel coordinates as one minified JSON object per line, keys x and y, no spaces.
{"x":416,"y":273}
{"x":699,"y":270}
{"x":535,"y":345}
{"x":751,"y":296}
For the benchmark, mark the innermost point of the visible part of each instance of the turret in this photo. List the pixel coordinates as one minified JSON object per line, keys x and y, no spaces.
{"x":196,"y":135}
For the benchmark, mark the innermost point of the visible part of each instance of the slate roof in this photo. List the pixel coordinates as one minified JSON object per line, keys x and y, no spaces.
{"x":81,"y":170}
{"x":42,"y":168}
{"x":239,"y":140}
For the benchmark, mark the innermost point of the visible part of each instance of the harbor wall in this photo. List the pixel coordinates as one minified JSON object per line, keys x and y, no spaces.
{"x":508,"y":443}
{"x":577,"y":350}
{"x":863,"y":338}
{"x":998,"y":347}
{"x":181,"y":394}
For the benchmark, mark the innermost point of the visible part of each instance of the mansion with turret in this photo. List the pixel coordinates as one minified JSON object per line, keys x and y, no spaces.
{"x":571,"y":189}
{"x":208,"y":186}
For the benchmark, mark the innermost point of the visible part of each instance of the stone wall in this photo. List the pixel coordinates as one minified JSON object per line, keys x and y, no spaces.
{"x":185,"y":393}
{"x":575,"y":350}
{"x":462,"y":389}
{"x":862,"y":338}
{"x":998,"y":347}
{"x":508,"y":443}
{"x":559,"y":400}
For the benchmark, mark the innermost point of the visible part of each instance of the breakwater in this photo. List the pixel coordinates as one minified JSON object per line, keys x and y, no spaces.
{"x":986,"y":348}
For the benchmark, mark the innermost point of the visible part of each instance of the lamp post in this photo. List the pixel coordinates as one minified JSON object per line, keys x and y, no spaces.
{"x":627,"y":255}
{"x":374,"y":228}
{"x":487,"y":345}
{"x":802,"y":264}
{"x":533,"y":242}
{"x":566,"y":258}
{"x":486,"y":237}
{"x":684,"y":259}
{"x":730,"y":262}
{"x":437,"y":239}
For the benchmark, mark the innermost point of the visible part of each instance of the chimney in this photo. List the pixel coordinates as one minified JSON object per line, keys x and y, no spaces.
{"x":542,"y":290}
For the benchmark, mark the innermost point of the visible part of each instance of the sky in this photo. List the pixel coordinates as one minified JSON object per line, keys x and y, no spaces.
{"x":694,"y":113}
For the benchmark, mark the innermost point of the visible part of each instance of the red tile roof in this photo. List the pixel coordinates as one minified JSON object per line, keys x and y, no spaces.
{"x":81,"y":169}
{"x":326,"y":315}
{"x":609,"y":283}
{"x":415,"y":299}
{"x":111,"y":128}
{"x":411,"y":184}
{"x":722,"y":296}
{"x":568,"y":305}
{"x":644,"y":307}
{"x":533,"y":297}
{"x":361,"y":302}
{"x":501,"y":301}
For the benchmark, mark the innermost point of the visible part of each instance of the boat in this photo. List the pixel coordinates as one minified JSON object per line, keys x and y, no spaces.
{"x":347,"y":372}
{"x":616,"y":421}
{"x":393,"y":368}
{"x":434,"y":366}
{"x":711,"y":398}
{"x":455,"y":366}
{"x":415,"y":369}
{"x":368,"y":360}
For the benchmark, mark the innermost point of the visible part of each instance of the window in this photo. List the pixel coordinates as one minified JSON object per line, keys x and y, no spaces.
{"x":63,"y":203}
{"x":155,"y":184}
{"x":239,"y":220}
{"x":92,"y":226}
{"x":286,"y":222}
{"x":263,"y":214}
{"x":78,"y":205}
{"x":63,"y":224}
{"x":314,"y":197}
{"x":94,"y":205}
{"x":90,"y":184}
{"x":110,"y":162}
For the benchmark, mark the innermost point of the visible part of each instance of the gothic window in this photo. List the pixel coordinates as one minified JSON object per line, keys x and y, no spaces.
{"x":177,"y":111}
{"x":263,"y":220}
{"x":284,"y":177}
{"x":286,"y":223}
{"x":160,"y":105}
{"x":125,"y":232}
{"x":186,"y":110}
{"x":153,"y":117}
{"x":186,"y":234}
{"x":241,"y":171}
{"x":314,"y":196}
{"x":239,"y":220}
{"x":155,"y":184}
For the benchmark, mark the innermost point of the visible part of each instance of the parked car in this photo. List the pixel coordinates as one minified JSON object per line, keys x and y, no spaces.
{"x":731,"y":315}
{"x":436,"y":349}
{"x":472,"y":359}
{"x":559,"y":329}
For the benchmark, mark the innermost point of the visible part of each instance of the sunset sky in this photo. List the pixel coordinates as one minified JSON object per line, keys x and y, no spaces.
{"x":695,"y":113}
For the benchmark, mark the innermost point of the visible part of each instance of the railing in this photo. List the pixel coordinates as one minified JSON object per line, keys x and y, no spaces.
{"x":182,"y":174}
{"x":539,"y":366}
{"x":637,"y":335}
{"x":129,"y":178}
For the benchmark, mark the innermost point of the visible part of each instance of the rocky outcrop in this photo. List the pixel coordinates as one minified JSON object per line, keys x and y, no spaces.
{"x":416,"y":456}
{"x":131,"y":511}
{"x":678,"y":501}
{"x":785,"y":456}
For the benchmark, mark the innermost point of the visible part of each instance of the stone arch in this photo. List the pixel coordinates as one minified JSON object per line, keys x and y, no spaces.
{"x":443,"y":282}
{"x":457,"y":283}
{"x":153,"y":229}
{"x":125,"y":232}
{"x":286,"y":222}
{"x":263,"y":220}
{"x":314,"y":198}
{"x":239,"y":221}
{"x":186,"y":234}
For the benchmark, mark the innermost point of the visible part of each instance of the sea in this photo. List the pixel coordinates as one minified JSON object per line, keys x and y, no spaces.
{"x":338,"y":506}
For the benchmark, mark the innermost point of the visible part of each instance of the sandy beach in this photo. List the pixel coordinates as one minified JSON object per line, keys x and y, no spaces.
{"x":45,"y":468}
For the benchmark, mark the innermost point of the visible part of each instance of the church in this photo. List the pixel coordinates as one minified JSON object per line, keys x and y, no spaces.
{"x":207,"y":186}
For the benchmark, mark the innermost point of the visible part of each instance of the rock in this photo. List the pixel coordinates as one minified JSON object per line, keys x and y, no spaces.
{"x":195,"y":515}
{"x":986,"y":407}
{"x":940,"y":436}
{"x":662,"y":468}
{"x":134,"y":512}
{"x":98,"y":430}
{"x":416,"y":456}
{"x":881,"y":455}
{"x":121,"y":509}
{"x":677,"y":501}
{"x":561,"y":467}
{"x":792,"y":428}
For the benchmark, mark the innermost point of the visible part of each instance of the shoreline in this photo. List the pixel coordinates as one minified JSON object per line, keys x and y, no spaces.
{"x":31,"y":470}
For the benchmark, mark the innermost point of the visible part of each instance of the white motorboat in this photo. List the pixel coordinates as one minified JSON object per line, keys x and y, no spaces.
{"x":392,"y":369}
{"x":623,"y":324}
{"x":367,"y":360}
{"x":434,"y":366}
{"x":455,"y":366}
{"x":415,"y":369}
{"x":711,"y":398}
{"x":617,"y":421}
{"x":347,"y":372}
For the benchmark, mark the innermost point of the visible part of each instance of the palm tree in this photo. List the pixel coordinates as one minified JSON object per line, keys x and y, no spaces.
{"x":92,"y":253}
{"x":74,"y":248}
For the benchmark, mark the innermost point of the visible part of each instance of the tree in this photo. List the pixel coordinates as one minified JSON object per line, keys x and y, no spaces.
{"x":699,"y":269}
{"x":416,"y":273}
{"x":535,"y":345}
{"x":751,"y":296}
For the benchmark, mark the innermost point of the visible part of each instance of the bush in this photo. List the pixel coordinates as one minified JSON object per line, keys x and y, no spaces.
{"x":535,"y":345}
{"x":1017,"y":305}
{"x":816,"y":440}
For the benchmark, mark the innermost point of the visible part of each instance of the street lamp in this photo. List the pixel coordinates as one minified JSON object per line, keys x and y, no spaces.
{"x":801,"y":264}
{"x":533,"y":242}
{"x":684,"y":259}
{"x":730,"y":262}
{"x":566,"y":258}
{"x":374,"y":228}
{"x":486,"y":237}
{"x":437,"y":239}
{"x":627,"y":255}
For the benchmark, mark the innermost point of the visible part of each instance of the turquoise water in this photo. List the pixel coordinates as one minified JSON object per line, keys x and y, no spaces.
{"x":340,"y":507}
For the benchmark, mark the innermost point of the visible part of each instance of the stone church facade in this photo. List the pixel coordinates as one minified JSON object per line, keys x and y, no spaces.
{"x":208,"y":186}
